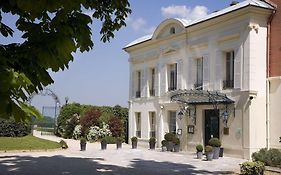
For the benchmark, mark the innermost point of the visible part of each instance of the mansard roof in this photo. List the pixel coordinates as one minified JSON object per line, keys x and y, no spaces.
{"x":186,"y":24}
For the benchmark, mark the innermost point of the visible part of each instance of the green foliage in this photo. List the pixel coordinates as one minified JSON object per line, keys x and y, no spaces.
{"x":103,"y":141}
{"x":110,"y":139}
{"x":249,"y":168}
{"x":116,"y":126}
{"x":176,"y":141}
{"x":63,"y":27}
{"x":66,"y":113}
{"x":271,"y":157}
{"x":11,"y":128}
{"x":152,"y":140}
{"x":63,"y":144}
{"x":46,"y":122}
{"x":164,"y":142}
{"x":134,"y":139}
{"x":90,"y":118}
{"x":208,"y":149}
{"x":119,"y":139}
{"x":215,"y":142}
{"x":199,"y":148}
{"x":27,"y":143}
{"x":169,"y":137}
{"x":83,"y":140}
{"x":70,"y":126}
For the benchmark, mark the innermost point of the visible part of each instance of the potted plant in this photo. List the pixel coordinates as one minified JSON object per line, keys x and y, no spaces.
{"x":199,"y":149}
{"x":164,"y":145}
{"x":134,"y":142}
{"x":169,"y":137}
{"x":216,"y":144}
{"x":83,"y":143}
{"x":152,"y":142}
{"x":119,"y":141}
{"x":176,"y":142}
{"x":103,"y":143}
{"x":209,"y":152}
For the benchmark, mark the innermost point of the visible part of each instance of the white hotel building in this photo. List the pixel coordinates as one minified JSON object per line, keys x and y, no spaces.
{"x":208,"y":78}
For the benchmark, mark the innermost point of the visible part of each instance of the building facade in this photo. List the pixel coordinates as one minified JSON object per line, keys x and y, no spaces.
{"x":209,"y":78}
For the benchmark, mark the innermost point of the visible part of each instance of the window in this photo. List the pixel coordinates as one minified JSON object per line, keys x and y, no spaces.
{"x":138,"y":124}
{"x":199,"y":74}
{"x":172,"y":121}
{"x":228,"y":82}
{"x":172,"y":77}
{"x":172,"y":30}
{"x":152,"y":121}
{"x":152,"y":82}
{"x":138,"y":93}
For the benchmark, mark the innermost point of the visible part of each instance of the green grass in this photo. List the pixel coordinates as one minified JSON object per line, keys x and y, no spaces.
{"x":26,"y":143}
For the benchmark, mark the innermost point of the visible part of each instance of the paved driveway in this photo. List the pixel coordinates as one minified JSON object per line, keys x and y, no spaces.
{"x":111,"y":161}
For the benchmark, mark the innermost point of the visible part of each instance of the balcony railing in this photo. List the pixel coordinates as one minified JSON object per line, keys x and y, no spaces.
{"x":228,"y":84}
{"x":152,"y":92}
{"x":138,"y":134}
{"x":198,"y":86}
{"x":138,"y":94}
{"x":152,"y":134}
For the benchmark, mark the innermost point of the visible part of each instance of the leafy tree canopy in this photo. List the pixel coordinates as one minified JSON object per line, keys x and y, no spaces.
{"x":52,"y":31}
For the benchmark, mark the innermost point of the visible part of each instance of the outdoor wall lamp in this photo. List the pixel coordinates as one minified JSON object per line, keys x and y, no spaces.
{"x":161,"y":107}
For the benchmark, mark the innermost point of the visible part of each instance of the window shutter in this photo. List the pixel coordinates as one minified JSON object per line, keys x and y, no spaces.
{"x":156,"y":80}
{"x":206,"y":72}
{"x":163,"y":77}
{"x":218,"y":76}
{"x":237,"y":68}
{"x":191,"y":73}
{"x":143,"y":84}
{"x":179,"y":74}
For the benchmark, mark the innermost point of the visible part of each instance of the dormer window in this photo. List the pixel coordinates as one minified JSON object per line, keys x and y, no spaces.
{"x":172,"y":30}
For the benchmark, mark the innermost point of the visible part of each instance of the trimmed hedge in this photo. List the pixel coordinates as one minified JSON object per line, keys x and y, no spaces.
{"x":271,"y":157}
{"x":250,"y":168}
{"x":10,"y":128}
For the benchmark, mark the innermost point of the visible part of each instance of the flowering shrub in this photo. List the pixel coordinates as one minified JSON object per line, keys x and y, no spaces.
{"x":77,"y":133}
{"x":96,"y":132}
{"x":116,"y":126}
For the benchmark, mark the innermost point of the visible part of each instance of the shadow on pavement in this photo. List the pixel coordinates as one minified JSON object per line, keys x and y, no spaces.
{"x":59,"y":165}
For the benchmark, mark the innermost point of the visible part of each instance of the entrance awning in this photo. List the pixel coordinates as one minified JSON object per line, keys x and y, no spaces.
{"x":200,"y":97}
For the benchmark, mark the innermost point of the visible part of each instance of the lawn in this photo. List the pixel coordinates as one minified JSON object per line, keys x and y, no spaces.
{"x":26,"y":143}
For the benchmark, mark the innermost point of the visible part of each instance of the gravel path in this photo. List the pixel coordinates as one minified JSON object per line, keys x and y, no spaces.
{"x":125,"y":161}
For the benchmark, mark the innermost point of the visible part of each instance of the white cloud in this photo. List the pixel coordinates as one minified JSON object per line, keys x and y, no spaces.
{"x":187,"y":13}
{"x":139,"y":25}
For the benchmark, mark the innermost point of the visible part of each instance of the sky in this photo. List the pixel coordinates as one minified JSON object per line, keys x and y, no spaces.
{"x":101,"y":76}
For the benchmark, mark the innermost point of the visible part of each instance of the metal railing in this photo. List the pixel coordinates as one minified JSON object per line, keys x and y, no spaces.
{"x":198,"y":86}
{"x":228,"y":84}
{"x":138,"y":94}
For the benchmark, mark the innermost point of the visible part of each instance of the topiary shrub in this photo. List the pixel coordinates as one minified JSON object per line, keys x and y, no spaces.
{"x":215,"y":142}
{"x":176,"y":141}
{"x":11,"y":128}
{"x":208,"y":149}
{"x":134,"y":139}
{"x":199,"y":148}
{"x":152,"y":140}
{"x":164,"y":143}
{"x":169,"y":136}
{"x":271,"y":157}
{"x":250,"y":168}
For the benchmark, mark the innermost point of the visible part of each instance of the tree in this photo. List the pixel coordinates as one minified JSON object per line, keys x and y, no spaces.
{"x":52,"y":31}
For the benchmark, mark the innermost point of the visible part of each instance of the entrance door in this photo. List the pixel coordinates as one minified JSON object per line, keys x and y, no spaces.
{"x":212,"y":125}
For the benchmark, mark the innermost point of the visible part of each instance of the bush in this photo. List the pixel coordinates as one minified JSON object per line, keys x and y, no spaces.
{"x":90,"y":118}
{"x":176,"y":141}
{"x":110,"y":139}
{"x":119,"y":139}
{"x":249,"y":168}
{"x":77,"y":133}
{"x":96,"y":132}
{"x":208,"y":149}
{"x":152,"y":140}
{"x":215,"y":142}
{"x":11,"y":128}
{"x":103,"y":141}
{"x":63,"y":144}
{"x":271,"y":157}
{"x":115,"y":126}
{"x":164,"y":142}
{"x":199,"y":148}
{"x":134,"y":139}
{"x":169,"y":137}
{"x":83,"y":140}
{"x":70,"y":126}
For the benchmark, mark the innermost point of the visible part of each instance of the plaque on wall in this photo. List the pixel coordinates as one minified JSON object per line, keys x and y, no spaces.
{"x":179,"y":132}
{"x":226,"y":131}
{"x":190,"y":129}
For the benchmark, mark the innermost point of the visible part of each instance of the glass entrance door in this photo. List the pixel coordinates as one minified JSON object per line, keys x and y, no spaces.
{"x":212,"y":125}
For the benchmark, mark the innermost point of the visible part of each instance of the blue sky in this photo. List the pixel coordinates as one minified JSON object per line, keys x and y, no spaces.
{"x":101,"y":76}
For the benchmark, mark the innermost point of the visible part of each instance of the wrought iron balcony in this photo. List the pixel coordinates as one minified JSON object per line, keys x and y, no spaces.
{"x":198,"y":86}
{"x":172,"y":88}
{"x":228,"y":84}
{"x":138,"y":94}
{"x":138,"y":134}
{"x":152,"y":92}
{"x":152,"y":134}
